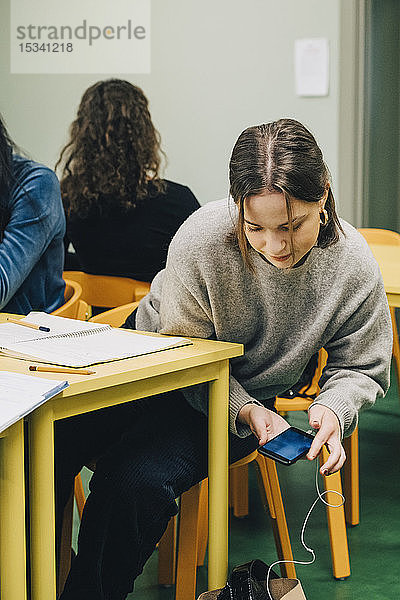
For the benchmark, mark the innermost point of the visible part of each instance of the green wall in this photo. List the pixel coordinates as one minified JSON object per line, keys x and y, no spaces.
{"x":382,"y":126}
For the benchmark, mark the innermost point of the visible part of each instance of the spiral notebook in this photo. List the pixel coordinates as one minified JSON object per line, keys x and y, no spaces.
{"x":20,"y":394}
{"x":73,"y":343}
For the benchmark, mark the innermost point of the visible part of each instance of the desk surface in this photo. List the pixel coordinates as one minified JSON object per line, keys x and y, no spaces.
{"x":201,"y":352}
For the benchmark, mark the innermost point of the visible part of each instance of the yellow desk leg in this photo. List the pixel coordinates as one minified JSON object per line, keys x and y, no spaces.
{"x":43,"y":567}
{"x":12,"y":514}
{"x":218,"y":478}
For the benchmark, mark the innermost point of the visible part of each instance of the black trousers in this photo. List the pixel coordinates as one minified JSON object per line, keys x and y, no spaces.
{"x":148,"y":452}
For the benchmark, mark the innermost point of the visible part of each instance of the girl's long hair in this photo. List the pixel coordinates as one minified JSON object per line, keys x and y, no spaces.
{"x":114,"y":152}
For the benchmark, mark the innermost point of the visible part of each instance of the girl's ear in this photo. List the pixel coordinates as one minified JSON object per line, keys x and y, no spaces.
{"x":325,"y":196}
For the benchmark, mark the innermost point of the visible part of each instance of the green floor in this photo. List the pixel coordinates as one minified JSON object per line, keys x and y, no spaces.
{"x":374,"y":544}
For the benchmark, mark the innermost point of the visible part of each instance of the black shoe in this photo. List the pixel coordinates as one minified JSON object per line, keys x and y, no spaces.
{"x":247,"y":582}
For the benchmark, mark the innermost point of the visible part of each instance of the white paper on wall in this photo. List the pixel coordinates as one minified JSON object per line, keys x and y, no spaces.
{"x":311,"y":56}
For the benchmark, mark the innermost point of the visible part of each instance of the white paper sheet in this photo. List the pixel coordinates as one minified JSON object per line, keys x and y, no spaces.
{"x":312,"y":66}
{"x":20,"y":394}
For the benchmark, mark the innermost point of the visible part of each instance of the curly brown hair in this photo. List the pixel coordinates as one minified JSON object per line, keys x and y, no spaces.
{"x":114,"y":152}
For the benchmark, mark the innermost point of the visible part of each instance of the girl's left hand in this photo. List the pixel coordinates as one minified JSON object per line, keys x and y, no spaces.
{"x":324,"y":419}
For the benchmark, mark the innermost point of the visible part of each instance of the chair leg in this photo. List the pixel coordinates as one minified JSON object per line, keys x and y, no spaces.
{"x":239,"y":485}
{"x":167,"y":544}
{"x":167,"y":555}
{"x":270,"y":488}
{"x":64,"y":558}
{"x":185,"y":588}
{"x":79,"y":495}
{"x":396,"y":346}
{"x":193,"y":528}
{"x":336,"y":524}
{"x":203,"y":523}
{"x":351,"y":475}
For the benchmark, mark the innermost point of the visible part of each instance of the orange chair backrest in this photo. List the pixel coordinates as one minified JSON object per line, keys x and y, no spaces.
{"x":283,"y":404}
{"x":73,"y":307}
{"x":116,"y":316}
{"x":107,"y":290}
{"x":380,"y":236}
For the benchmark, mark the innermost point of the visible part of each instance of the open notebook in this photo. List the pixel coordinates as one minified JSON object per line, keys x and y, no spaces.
{"x":20,"y":394}
{"x":73,"y":343}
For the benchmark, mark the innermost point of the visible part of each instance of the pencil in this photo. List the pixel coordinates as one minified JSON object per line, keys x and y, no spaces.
{"x":61,"y":370}
{"x":30,"y":325}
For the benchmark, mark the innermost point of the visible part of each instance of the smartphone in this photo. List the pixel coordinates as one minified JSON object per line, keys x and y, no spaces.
{"x":288,"y":446}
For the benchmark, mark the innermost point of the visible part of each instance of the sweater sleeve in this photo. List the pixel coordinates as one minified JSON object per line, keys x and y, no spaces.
{"x":29,"y":230}
{"x":358,"y":367}
{"x":172,"y":308}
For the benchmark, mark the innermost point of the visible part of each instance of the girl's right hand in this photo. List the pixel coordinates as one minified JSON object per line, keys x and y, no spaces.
{"x":264,"y":423}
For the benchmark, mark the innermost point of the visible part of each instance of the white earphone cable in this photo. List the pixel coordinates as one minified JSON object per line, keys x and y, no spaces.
{"x":320,"y":496}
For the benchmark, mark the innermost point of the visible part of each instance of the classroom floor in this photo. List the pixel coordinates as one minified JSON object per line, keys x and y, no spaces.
{"x":374,"y":544}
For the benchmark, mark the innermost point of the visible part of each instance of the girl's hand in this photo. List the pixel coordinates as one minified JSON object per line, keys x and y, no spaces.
{"x":324,"y":419}
{"x":264,"y":423}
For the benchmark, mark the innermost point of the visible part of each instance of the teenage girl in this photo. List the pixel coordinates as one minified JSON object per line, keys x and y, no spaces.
{"x":272,"y":268}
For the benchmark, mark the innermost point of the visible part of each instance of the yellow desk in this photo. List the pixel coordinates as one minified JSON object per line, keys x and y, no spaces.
{"x":388,"y":259}
{"x":12,"y":513}
{"x":115,"y":383}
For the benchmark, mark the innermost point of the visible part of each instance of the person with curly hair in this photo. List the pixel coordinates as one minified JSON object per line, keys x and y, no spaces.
{"x":32,"y":227}
{"x":121,"y":215}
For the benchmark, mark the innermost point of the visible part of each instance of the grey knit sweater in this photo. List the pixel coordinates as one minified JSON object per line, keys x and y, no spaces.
{"x":335,"y":300}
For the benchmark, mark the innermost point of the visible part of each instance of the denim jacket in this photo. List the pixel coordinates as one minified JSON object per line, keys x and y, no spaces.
{"x":32,"y":251}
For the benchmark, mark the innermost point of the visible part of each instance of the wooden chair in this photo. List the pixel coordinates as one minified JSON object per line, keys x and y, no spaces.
{"x":387,"y":237}
{"x":350,"y":472}
{"x":74,"y":307}
{"x":116,"y":316}
{"x":380,"y":236}
{"x":180,"y":567}
{"x":336,"y":516}
{"x":108,"y":291}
